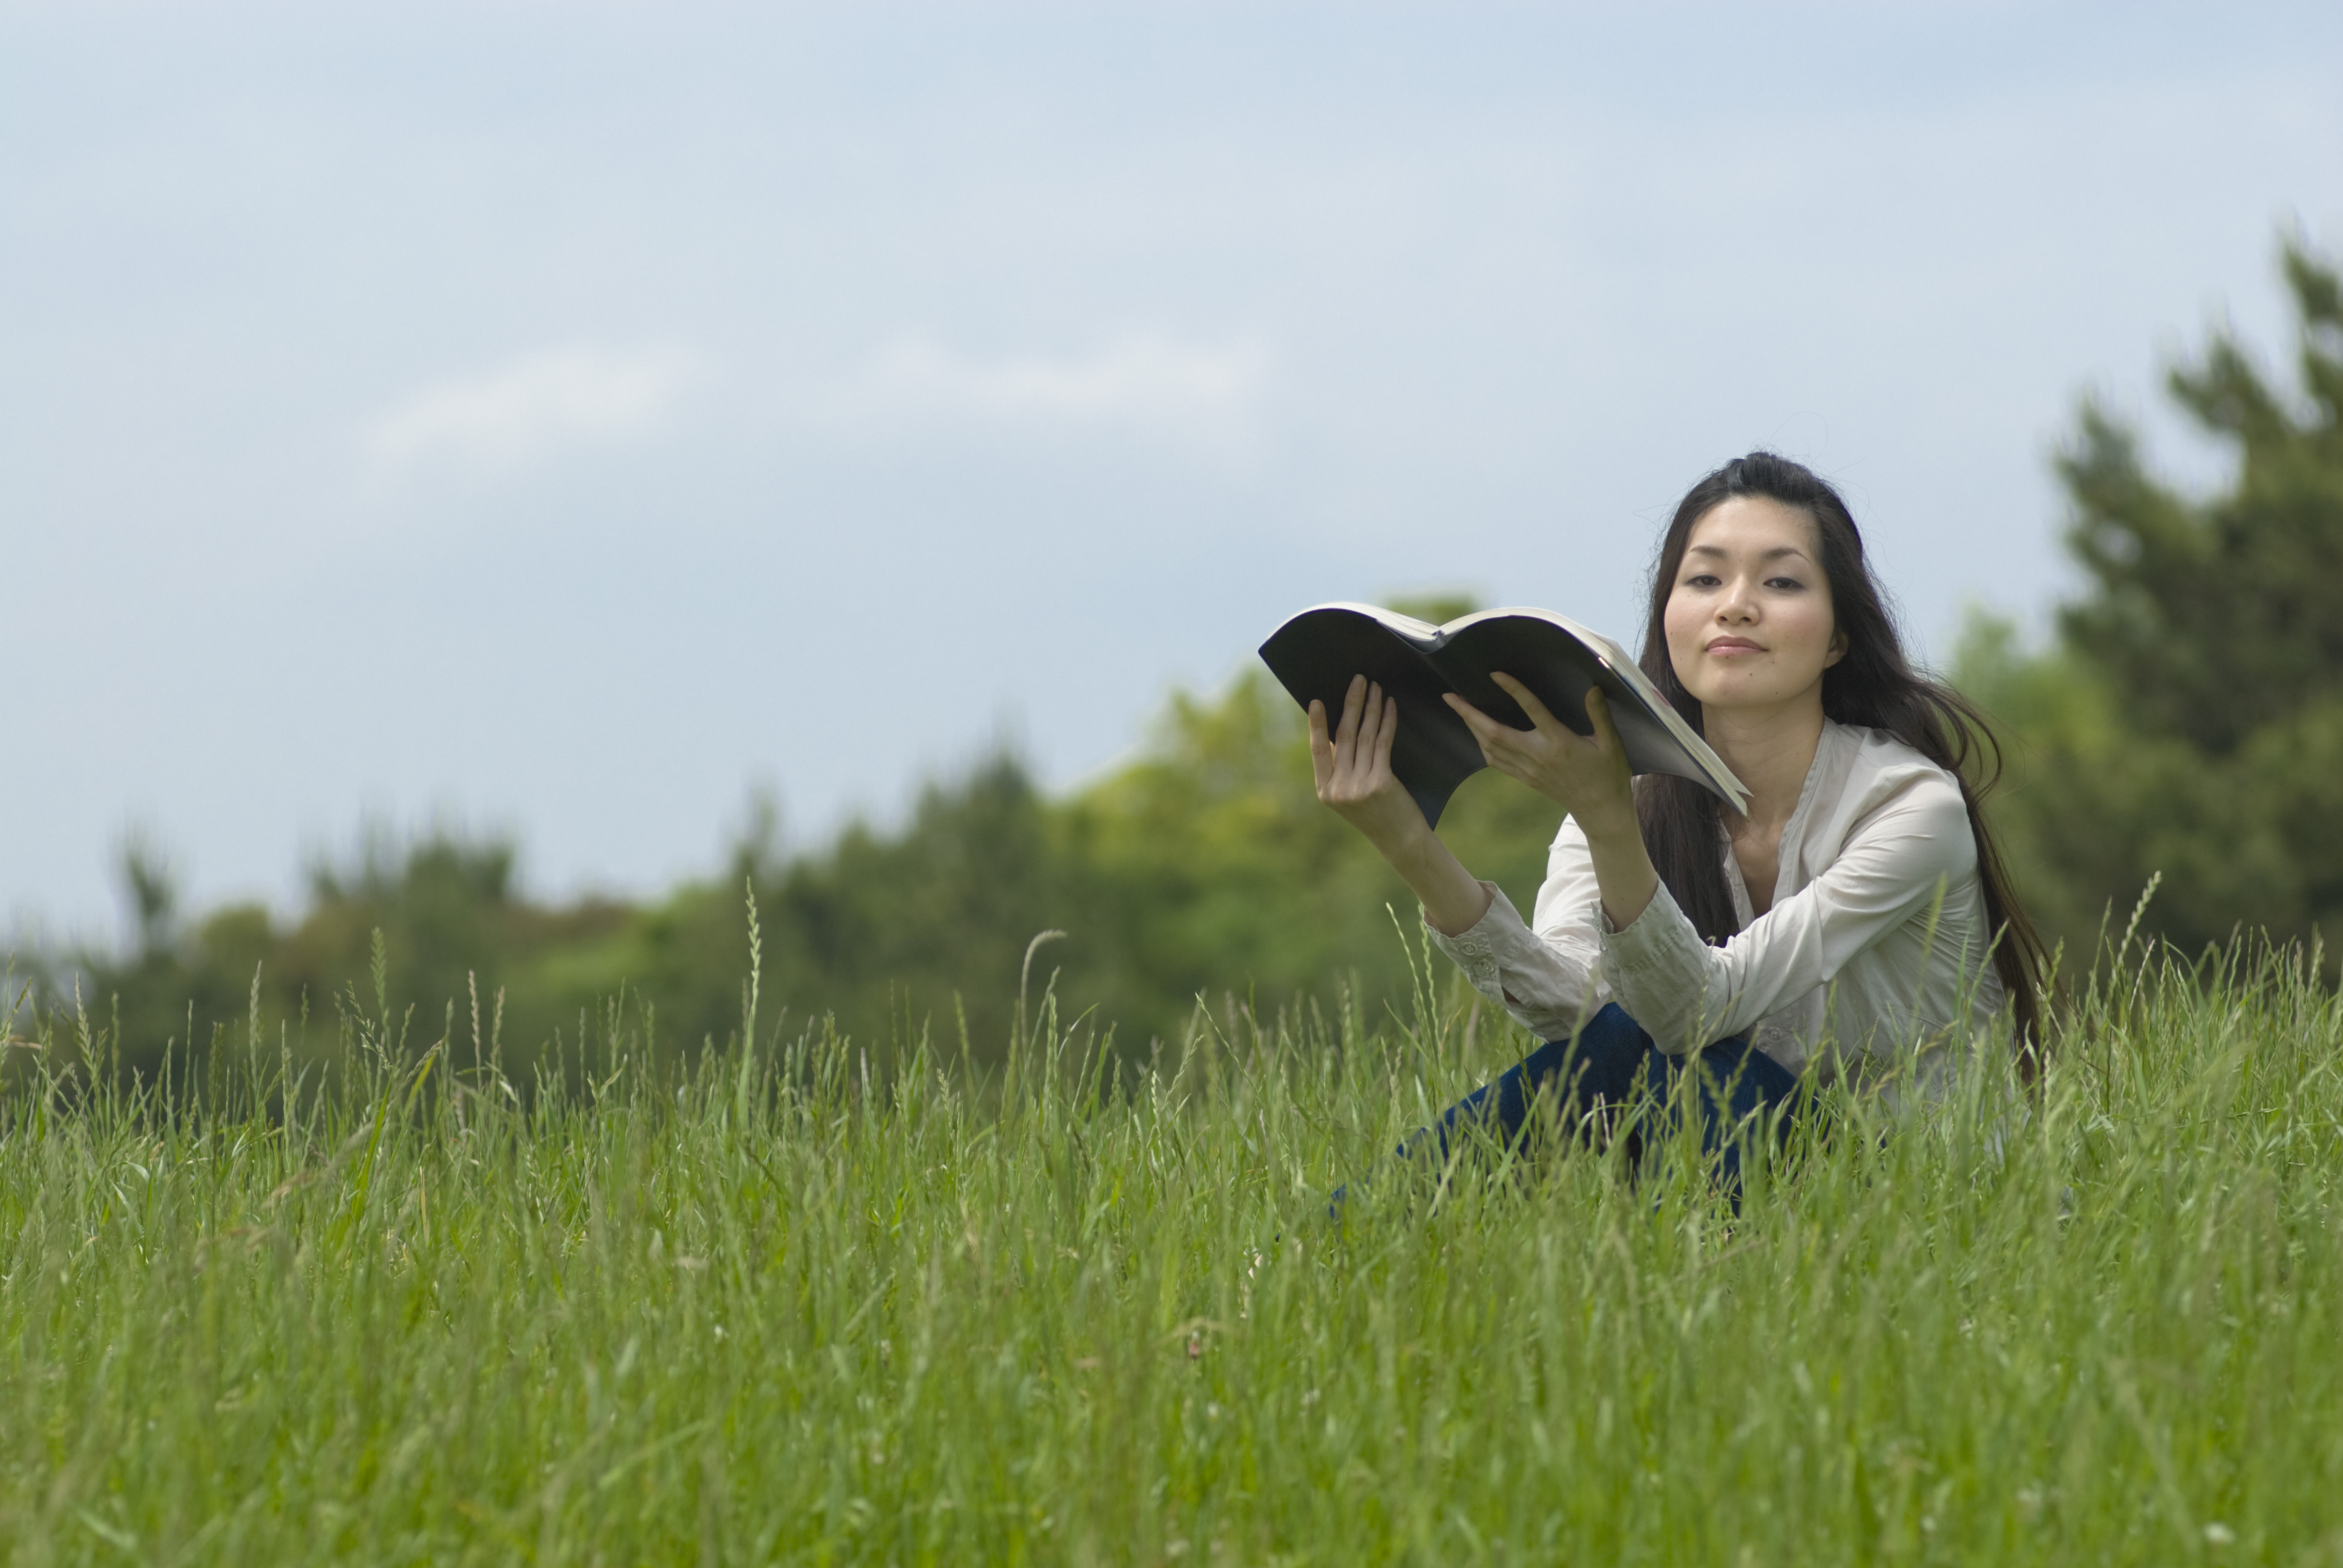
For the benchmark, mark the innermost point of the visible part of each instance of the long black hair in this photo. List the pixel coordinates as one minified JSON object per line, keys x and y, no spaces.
{"x":1873,"y":685}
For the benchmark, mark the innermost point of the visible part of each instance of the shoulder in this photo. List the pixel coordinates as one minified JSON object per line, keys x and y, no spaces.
{"x":1885,"y":788}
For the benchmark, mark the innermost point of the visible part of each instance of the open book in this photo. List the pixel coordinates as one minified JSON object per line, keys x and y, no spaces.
{"x":1317,"y":652}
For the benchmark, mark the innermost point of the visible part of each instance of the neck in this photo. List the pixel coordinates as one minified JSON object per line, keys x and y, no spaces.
{"x":1770,"y":750}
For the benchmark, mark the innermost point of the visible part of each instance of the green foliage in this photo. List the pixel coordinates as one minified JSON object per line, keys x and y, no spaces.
{"x":2188,"y":724}
{"x":802,"y":1306}
{"x":453,"y":932}
{"x":885,"y":933}
{"x":1202,"y":870}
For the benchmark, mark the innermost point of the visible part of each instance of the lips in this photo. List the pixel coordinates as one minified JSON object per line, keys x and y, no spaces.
{"x":1733,"y":645}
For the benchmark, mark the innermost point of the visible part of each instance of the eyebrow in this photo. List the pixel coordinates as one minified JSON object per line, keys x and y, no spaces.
{"x":1777,"y":552}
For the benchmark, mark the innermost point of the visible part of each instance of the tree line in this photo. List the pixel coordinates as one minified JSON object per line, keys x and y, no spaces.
{"x":2182,"y":722}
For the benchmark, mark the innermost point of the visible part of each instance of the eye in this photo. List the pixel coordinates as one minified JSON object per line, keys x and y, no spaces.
{"x":1787,"y":585}
{"x":1701,"y":580}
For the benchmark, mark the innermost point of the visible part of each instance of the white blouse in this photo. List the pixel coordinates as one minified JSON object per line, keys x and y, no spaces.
{"x":1873,"y":952}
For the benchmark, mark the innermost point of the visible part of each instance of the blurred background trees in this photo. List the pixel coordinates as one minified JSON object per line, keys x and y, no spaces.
{"x":1203,"y":869}
{"x":2185,"y":718}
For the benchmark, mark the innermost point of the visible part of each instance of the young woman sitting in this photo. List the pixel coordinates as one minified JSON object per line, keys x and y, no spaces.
{"x":1856,"y":924}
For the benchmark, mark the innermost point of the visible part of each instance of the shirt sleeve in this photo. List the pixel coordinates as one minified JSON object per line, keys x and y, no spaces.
{"x":1549,"y":979}
{"x":1891,"y":869}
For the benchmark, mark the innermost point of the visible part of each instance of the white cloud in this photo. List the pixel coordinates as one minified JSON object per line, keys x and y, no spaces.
{"x":532,"y":405}
{"x":1143,"y":383}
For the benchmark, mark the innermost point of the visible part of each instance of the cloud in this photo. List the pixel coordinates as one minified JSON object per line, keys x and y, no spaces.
{"x":1145,"y":384}
{"x":531,"y":406}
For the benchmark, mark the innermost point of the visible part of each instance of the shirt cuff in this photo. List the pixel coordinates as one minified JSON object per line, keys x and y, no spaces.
{"x":1651,"y":938}
{"x":1475,"y":948}
{"x":1657,"y":972}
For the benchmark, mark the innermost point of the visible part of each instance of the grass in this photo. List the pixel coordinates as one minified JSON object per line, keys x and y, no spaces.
{"x":787,"y":1305}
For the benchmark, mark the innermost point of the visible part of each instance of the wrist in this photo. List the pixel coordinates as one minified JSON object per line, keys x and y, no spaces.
{"x":1409,"y":844}
{"x":1454,"y":900}
{"x":1612,"y":823}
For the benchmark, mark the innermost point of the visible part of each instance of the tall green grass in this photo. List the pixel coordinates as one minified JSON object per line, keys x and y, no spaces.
{"x":792,"y":1305}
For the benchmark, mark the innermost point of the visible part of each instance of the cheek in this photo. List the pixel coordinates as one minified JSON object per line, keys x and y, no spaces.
{"x":1680,"y":620}
{"x":1815,"y":629}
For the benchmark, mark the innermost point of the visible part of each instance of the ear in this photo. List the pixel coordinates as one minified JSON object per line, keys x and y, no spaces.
{"x":1838,"y":647}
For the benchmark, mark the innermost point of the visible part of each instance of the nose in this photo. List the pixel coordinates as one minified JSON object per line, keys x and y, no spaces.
{"x":1739,"y":603}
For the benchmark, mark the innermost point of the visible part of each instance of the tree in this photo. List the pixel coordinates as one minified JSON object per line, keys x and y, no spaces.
{"x":2188,"y":721}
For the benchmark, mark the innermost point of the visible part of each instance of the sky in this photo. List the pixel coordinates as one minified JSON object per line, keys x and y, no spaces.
{"x":570,"y":419}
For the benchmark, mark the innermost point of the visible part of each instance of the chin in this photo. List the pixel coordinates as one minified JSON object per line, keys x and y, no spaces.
{"x":1732,"y":697}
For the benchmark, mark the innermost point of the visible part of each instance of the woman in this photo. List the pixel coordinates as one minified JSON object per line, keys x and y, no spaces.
{"x":1856,"y":923}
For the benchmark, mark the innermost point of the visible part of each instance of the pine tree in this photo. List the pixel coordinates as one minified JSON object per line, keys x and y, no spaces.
{"x":2212,"y":618}
{"x":2188,"y":723}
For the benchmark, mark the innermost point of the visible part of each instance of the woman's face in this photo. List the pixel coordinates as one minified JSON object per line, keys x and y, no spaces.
{"x":1749,"y":621}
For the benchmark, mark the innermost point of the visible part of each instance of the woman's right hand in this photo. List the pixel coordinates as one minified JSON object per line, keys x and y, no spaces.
{"x":1354,"y":777}
{"x":1354,"y":772}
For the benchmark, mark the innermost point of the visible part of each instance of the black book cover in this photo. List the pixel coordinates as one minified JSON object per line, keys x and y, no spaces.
{"x":1316,"y":654}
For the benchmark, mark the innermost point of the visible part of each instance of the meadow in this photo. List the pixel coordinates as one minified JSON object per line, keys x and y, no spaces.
{"x":798,"y":1300}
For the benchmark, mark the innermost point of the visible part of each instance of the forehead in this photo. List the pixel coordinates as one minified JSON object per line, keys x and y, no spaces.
{"x":1754,"y":525}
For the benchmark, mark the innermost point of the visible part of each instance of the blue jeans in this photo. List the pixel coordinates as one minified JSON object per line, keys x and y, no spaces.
{"x":1594,"y":1081}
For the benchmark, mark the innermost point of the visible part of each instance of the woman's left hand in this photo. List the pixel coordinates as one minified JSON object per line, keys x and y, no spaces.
{"x":1587,"y":775}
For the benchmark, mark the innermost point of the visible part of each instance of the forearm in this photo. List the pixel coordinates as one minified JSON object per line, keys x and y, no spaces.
{"x":1453,"y":898}
{"x":1623,"y":867}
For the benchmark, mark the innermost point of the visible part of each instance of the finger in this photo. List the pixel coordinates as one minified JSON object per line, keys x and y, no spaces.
{"x":1321,"y":749}
{"x":1390,"y":733}
{"x":1348,"y":730}
{"x":1598,"y":711}
{"x":1541,"y":717}
{"x":1483,"y":728}
{"x":1487,"y":732}
{"x":1370,"y":724}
